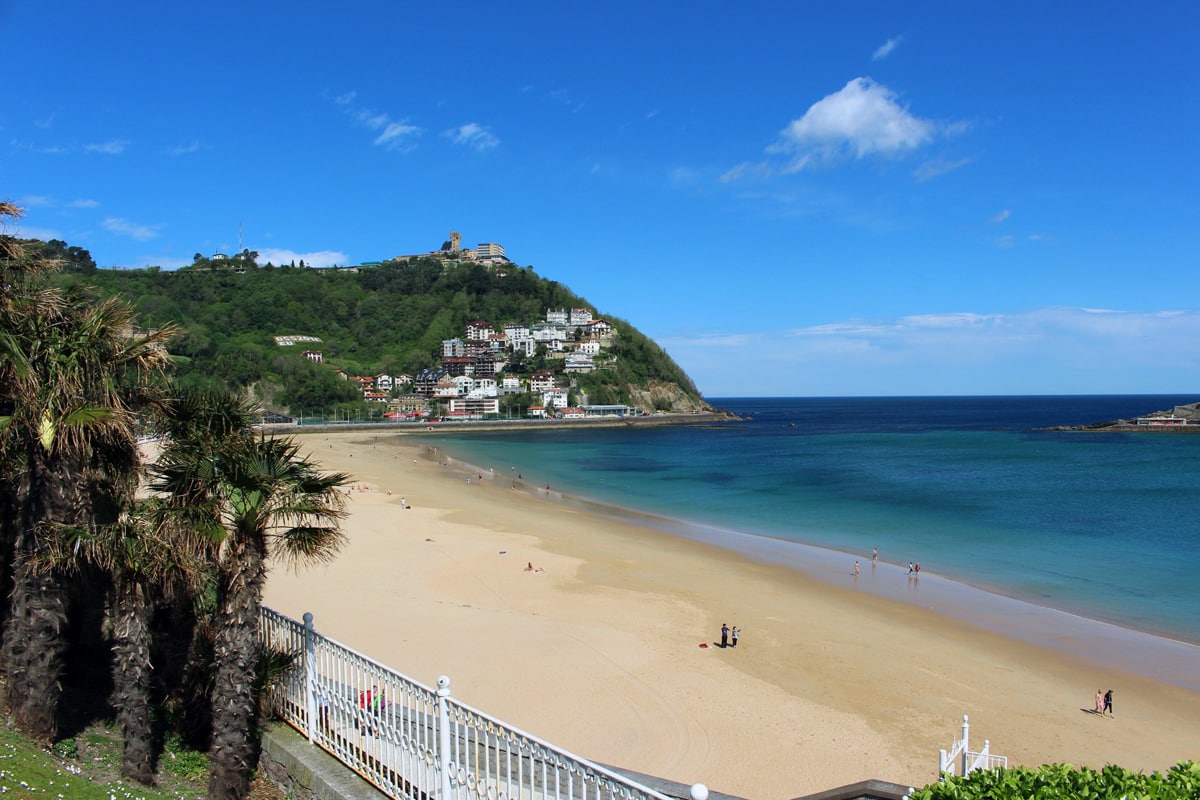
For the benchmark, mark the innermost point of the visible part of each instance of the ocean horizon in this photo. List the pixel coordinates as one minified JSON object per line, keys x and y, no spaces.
{"x":1076,"y":535}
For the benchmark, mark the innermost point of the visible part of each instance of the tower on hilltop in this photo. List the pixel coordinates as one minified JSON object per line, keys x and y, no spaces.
{"x":455,"y":241}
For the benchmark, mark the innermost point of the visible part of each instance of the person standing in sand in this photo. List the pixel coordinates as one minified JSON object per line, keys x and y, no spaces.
{"x":1099,"y":701}
{"x":1108,"y":706}
{"x":733,"y":636}
{"x":856,"y":569}
{"x":724,"y":635}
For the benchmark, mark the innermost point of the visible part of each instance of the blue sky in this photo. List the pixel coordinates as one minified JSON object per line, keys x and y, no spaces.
{"x":858,"y":198}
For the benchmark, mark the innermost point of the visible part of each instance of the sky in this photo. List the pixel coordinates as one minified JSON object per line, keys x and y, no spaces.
{"x":792,"y":199}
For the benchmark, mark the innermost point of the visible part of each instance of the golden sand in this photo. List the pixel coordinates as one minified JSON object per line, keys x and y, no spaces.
{"x":599,"y":651}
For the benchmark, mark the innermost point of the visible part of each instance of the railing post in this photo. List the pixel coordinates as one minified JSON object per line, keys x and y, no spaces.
{"x":966,"y":744}
{"x":443,"y":706}
{"x":942,"y":765}
{"x":310,"y":674}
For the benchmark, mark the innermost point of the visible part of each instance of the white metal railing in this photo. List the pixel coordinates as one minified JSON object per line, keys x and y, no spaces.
{"x":417,"y":743}
{"x":961,"y":756}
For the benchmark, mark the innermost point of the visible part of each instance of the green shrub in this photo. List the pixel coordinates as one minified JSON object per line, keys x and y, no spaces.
{"x":180,"y":760}
{"x":1182,"y":782}
{"x":66,"y":748}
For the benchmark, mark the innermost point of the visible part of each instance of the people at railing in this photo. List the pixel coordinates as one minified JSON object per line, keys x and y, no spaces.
{"x":371,"y":703}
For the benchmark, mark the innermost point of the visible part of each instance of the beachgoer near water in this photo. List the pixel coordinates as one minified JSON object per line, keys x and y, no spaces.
{"x":1099,"y":701}
{"x":724,"y":635}
{"x":910,"y":568}
{"x":856,"y":569}
{"x":874,"y":555}
{"x":1108,"y":706}
{"x":917,"y":568}
{"x":733,"y":636}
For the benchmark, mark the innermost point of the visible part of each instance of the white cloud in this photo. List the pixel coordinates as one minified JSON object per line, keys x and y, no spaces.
{"x":746,"y":169}
{"x":395,"y":136}
{"x":474,"y":136}
{"x":35,"y":201}
{"x":133,"y":230}
{"x":860,"y":120}
{"x":1040,"y":351}
{"x":317,"y":258}
{"x":885,"y":49}
{"x":937,"y":167}
{"x":112,"y":147}
{"x":392,"y":134}
{"x":1003,"y":215}
{"x":184,"y":149}
{"x":83,"y":202}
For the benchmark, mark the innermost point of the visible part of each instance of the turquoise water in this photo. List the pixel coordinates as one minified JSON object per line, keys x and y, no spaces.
{"x":1099,"y":525}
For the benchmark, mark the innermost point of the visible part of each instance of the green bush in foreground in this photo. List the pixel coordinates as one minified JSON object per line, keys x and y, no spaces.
{"x":1182,"y":782}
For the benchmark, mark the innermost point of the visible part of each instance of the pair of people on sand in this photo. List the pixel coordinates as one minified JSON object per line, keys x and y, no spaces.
{"x":1104,"y":702}
{"x":729,"y":638}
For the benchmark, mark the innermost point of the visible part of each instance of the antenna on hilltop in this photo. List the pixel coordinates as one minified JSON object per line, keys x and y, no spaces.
{"x":240,"y":248}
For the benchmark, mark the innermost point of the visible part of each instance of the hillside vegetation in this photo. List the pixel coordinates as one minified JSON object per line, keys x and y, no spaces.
{"x":388,"y":318}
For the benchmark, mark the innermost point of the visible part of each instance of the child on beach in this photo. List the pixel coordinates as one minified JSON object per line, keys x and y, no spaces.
{"x":1099,"y":701}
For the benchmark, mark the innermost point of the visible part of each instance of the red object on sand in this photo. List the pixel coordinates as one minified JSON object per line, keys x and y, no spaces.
{"x":704,"y":644}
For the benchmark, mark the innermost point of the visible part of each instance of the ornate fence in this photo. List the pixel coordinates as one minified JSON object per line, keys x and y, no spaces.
{"x":414,"y":742}
{"x":962,"y":758}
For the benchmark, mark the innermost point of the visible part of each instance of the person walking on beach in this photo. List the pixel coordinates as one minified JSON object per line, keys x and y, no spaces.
{"x":874,"y":555}
{"x":733,"y":636}
{"x":1108,"y":707}
{"x":910,"y":568}
{"x":856,"y":569}
{"x":1099,"y":701}
{"x":724,"y":635}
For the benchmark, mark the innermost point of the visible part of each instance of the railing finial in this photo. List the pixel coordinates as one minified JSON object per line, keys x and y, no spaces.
{"x":699,"y":791}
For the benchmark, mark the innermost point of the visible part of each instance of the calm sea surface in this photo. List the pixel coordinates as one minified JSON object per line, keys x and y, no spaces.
{"x":1101,"y":525}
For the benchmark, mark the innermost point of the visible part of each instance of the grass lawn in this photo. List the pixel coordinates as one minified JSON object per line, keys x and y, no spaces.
{"x":89,"y":766}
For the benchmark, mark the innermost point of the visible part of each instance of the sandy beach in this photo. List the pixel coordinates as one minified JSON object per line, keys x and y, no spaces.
{"x":599,"y":649}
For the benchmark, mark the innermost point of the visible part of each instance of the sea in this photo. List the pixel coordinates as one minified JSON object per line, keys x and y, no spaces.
{"x":1084,"y":540}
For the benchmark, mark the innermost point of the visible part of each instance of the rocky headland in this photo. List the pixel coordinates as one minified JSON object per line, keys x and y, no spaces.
{"x":1180,"y":419}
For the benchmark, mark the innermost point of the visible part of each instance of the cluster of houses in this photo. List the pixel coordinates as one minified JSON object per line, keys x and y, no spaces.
{"x":472,"y":374}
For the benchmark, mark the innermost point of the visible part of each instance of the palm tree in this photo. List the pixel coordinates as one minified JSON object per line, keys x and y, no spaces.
{"x":256,"y":499}
{"x":146,"y":557}
{"x":73,"y":374}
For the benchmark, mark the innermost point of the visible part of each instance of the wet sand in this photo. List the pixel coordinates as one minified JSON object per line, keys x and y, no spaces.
{"x":600,"y":652}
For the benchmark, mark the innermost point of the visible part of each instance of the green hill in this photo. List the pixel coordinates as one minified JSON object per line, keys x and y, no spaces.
{"x":389,"y":318}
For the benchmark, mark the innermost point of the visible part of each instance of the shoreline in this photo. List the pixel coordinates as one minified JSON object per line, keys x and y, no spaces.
{"x":1153,"y":654}
{"x":973,"y":603}
{"x":599,"y":655}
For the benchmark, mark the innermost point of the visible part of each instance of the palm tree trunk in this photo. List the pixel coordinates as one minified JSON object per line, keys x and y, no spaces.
{"x":35,"y":650}
{"x":35,"y":638}
{"x":131,"y":679}
{"x":234,"y":752}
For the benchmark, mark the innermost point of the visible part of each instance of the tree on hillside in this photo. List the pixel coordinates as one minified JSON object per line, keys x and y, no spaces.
{"x":253,"y":499}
